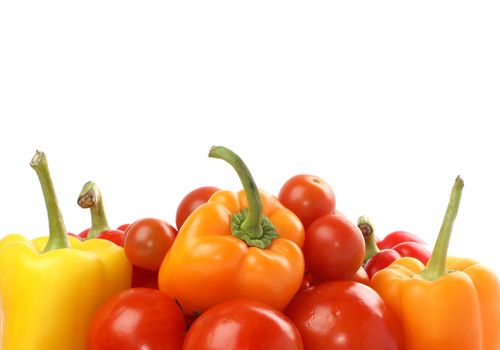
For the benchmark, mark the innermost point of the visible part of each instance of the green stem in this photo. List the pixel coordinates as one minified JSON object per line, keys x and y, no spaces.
{"x":58,"y":237}
{"x":366,"y":227}
{"x":250,"y":225}
{"x":437,"y":263}
{"x":91,"y":197}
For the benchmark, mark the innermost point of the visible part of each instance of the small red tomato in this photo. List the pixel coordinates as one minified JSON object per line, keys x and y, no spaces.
{"x":380,"y":261}
{"x":144,"y":278}
{"x":123,"y":227}
{"x":244,"y":325}
{"x":334,"y":248}
{"x":115,"y":236}
{"x":342,"y":315}
{"x":137,"y":318}
{"x":147,"y":241}
{"x":414,"y":250}
{"x":308,"y":196}
{"x":192,"y":201}
{"x":361,"y":276}
{"x":397,"y":237}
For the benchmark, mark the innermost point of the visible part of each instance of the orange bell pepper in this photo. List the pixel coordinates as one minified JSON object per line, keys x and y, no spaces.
{"x":454,"y":303}
{"x":243,"y":245}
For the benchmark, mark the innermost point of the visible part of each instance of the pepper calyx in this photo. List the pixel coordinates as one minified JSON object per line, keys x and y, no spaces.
{"x":268,"y":231}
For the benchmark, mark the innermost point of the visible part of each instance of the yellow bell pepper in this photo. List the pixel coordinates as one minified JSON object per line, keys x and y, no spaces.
{"x":51,"y":286}
{"x":454,"y":303}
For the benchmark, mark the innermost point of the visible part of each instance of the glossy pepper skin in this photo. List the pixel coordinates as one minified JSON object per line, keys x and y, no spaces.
{"x":208,"y":264}
{"x":51,"y":286}
{"x":452,"y":304}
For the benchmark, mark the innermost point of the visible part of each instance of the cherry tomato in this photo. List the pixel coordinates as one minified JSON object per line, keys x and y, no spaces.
{"x":361,"y":276}
{"x":244,"y":325}
{"x":115,"y":236}
{"x":413,"y":249}
{"x":123,"y":227}
{"x":380,"y":261}
{"x":147,"y":241}
{"x":344,"y":315}
{"x":191,"y":201}
{"x":144,"y":278}
{"x":137,"y":318}
{"x":397,"y":237}
{"x":308,"y":196}
{"x":334,"y":248}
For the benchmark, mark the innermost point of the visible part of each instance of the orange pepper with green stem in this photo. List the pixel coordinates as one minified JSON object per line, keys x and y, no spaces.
{"x":454,"y":303}
{"x":237,"y":245}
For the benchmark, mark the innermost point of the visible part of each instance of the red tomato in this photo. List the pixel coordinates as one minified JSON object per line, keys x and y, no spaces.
{"x":344,"y":315}
{"x":137,"y":318}
{"x":380,"y":261}
{"x":397,"y":237}
{"x":115,"y":236}
{"x":144,"y":278}
{"x":334,"y":248}
{"x":244,"y":325}
{"x":147,"y":241}
{"x":84,"y":233}
{"x":413,"y":249}
{"x":361,"y":276}
{"x":308,"y":196}
{"x":191,"y":201}
{"x":77,"y":236}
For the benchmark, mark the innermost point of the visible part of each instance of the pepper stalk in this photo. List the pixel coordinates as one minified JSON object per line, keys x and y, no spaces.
{"x":91,"y":197}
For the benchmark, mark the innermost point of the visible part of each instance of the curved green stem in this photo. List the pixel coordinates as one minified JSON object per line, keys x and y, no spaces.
{"x":91,"y":197}
{"x":58,"y":237}
{"x":366,"y":226}
{"x":437,"y":263}
{"x":249,"y":225}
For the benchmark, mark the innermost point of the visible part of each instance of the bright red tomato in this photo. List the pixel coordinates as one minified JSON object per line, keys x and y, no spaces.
{"x":192,"y":201}
{"x":344,"y":315}
{"x":415,"y":250}
{"x":380,"y":261}
{"x":334,"y":248}
{"x":123,"y":227}
{"x":115,"y":236}
{"x":243,"y":325}
{"x":397,"y":237}
{"x":147,"y":241}
{"x":137,"y":318}
{"x":308,"y":196}
{"x":84,"y":233}
{"x":361,"y":276}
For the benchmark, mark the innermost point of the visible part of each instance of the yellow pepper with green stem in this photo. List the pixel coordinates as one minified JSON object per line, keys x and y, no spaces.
{"x":51,"y":286}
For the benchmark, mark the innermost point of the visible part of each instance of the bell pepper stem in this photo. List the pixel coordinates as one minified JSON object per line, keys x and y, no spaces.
{"x":250,"y":225}
{"x":91,"y":197}
{"x":366,"y":226}
{"x":58,"y":237}
{"x":437,"y":263}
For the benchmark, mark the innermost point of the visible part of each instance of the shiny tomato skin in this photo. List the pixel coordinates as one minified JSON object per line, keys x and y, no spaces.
{"x":137,"y":318}
{"x":242,"y":324}
{"x":147,"y":241}
{"x":334,"y":248}
{"x":396,"y":237}
{"x":115,"y":236}
{"x":123,"y":227}
{"x":414,"y":250}
{"x":307,"y":196}
{"x":344,"y":315}
{"x":192,"y":201}
{"x":380,"y":261}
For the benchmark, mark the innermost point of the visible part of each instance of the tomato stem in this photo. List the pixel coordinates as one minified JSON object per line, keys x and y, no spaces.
{"x":58,"y":237}
{"x":249,"y":225}
{"x":91,"y":197}
{"x":366,"y":226}
{"x":437,"y":262}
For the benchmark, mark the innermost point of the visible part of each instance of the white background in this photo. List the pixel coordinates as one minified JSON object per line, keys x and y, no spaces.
{"x":387,"y":101}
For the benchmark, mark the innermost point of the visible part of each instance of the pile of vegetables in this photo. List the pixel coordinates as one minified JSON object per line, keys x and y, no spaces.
{"x":245,"y":270}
